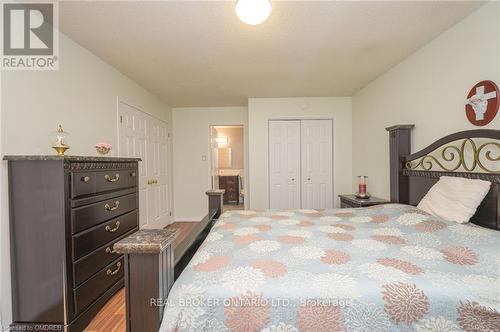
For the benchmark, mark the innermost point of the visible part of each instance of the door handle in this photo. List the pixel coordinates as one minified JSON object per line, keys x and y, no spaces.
{"x":292,"y":179}
{"x":308,"y":179}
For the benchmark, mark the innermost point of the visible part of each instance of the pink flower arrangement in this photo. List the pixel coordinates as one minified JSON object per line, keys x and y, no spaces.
{"x":103,"y":148}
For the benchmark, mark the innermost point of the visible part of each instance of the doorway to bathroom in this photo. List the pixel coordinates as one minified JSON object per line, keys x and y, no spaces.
{"x":227,"y":164}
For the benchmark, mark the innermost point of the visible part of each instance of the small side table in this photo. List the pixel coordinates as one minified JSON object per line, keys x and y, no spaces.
{"x":351,"y":201}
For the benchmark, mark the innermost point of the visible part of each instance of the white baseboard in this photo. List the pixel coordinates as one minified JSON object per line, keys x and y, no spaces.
{"x":188,"y":219}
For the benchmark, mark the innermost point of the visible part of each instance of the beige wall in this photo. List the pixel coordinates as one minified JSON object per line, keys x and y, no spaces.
{"x":427,"y":89}
{"x":82,"y":96}
{"x":261,"y":110}
{"x":191,"y":145}
{"x":236,"y":144}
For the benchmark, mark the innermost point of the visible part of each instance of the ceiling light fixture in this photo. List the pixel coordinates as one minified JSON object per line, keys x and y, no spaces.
{"x":253,"y":12}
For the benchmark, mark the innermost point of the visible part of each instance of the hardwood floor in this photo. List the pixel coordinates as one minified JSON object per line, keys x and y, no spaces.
{"x":229,"y":207}
{"x":184,"y":228}
{"x":111,"y":318}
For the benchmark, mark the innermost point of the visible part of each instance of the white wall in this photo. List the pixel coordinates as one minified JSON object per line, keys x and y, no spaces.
{"x":261,"y":110}
{"x":427,"y":89}
{"x":82,"y":96}
{"x":191,"y":142}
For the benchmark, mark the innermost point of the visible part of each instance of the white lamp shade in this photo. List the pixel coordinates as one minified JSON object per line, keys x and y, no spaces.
{"x":253,"y":12}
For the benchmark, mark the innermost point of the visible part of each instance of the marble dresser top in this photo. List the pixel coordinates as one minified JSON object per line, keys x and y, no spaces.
{"x":146,"y":241}
{"x":69,"y":158}
{"x":215,"y":192}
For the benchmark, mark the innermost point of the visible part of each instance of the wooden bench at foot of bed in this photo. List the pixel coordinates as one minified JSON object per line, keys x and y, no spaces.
{"x":151,"y":266}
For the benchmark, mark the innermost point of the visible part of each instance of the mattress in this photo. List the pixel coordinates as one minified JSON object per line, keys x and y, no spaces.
{"x":384,"y":268}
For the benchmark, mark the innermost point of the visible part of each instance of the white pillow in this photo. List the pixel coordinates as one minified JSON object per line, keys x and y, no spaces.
{"x":455,"y":198}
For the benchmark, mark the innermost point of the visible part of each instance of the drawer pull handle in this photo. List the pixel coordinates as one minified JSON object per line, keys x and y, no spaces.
{"x":132,"y":174}
{"x":154,"y":181}
{"x":110,"y":251}
{"x":110,"y":178}
{"x":85,"y":178}
{"x":109,"y":272}
{"x":113,"y":207}
{"x":112,"y":230}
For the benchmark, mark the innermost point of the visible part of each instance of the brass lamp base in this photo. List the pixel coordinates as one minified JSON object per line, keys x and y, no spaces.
{"x":60,"y":149}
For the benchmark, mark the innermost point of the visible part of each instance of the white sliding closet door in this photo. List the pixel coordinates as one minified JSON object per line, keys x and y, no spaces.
{"x":317,"y":164}
{"x":284,"y":164}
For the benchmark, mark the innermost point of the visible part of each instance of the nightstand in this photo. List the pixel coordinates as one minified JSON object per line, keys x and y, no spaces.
{"x":351,"y":201}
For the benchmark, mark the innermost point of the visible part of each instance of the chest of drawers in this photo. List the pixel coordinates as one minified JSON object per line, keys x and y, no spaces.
{"x":65,"y":215}
{"x":232,"y":189}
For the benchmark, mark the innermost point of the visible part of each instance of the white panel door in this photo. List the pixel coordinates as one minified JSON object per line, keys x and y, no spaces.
{"x":142,"y":136}
{"x":133,"y":144}
{"x":284,"y":165}
{"x":317,"y":164}
{"x":157,"y":204}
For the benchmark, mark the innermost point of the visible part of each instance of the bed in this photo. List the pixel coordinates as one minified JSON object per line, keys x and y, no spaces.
{"x":384,"y":268}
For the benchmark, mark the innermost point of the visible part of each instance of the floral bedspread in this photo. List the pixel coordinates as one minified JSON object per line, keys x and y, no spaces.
{"x":386,"y":268}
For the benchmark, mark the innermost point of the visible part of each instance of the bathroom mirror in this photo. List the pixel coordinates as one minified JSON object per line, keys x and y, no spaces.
{"x":224,"y":157}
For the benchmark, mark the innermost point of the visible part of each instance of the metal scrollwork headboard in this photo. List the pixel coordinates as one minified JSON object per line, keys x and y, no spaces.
{"x":473,"y":154}
{"x":456,"y":157}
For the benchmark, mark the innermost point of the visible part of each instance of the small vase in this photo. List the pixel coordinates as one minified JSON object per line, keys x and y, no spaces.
{"x":102,"y":150}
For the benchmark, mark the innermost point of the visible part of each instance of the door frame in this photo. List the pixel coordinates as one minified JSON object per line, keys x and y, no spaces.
{"x":334,"y":200}
{"x":169,"y":148}
{"x":246,"y":201}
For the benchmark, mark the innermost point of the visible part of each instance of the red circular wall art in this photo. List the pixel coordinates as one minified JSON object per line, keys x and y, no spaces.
{"x":482,"y":103}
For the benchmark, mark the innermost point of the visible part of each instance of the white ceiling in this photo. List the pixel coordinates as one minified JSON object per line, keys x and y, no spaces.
{"x":199,"y":54}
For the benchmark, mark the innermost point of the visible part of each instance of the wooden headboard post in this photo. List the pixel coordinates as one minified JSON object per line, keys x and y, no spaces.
{"x":399,"y":147}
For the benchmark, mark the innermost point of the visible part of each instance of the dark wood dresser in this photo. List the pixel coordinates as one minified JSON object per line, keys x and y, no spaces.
{"x":65,"y":215}
{"x":351,"y":201}
{"x":231,"y":185}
